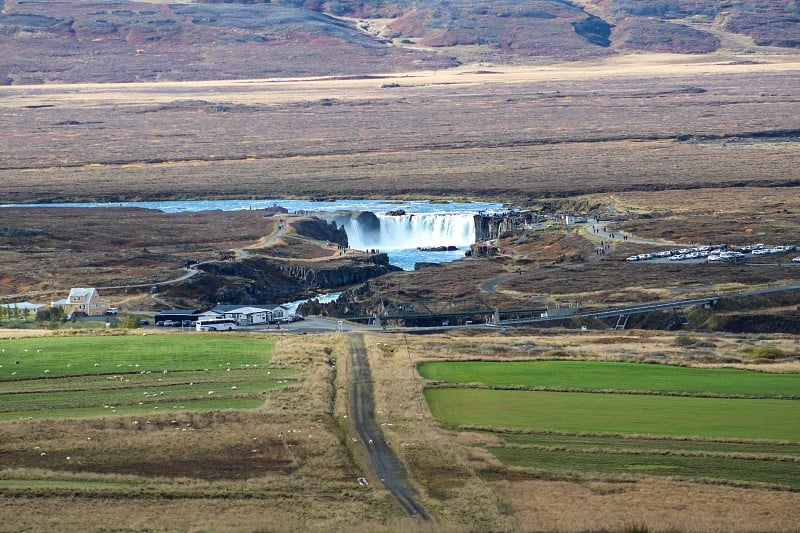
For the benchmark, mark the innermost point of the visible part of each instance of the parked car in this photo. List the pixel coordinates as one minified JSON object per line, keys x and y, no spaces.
{"x":188,"y":323}
{"x":160,"y":324}
{"x":111,"y":311}
{"x":144,"y":322}
{"x":296,"y":318}
{"x":796,"y":259}
{"x":171,"y":323}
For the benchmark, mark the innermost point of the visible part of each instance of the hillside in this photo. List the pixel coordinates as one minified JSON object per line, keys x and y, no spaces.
{"x":117,"y":41}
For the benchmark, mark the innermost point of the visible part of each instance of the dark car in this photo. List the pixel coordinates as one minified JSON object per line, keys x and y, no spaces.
{"x":188,"y":323}
{"x":144,"y":322}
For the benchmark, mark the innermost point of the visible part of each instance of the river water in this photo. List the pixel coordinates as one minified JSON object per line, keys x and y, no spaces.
{"x":423,"y":225}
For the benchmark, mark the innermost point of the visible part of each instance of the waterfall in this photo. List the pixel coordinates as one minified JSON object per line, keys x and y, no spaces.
{"x":406,"y":232}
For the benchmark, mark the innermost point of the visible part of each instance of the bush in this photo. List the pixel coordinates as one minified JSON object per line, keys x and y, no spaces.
{"x":130,"y":322}
{"x":764,"y":352}
{"x":684,"y":341}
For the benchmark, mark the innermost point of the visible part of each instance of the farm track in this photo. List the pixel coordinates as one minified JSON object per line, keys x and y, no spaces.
{"x":387,"y":466}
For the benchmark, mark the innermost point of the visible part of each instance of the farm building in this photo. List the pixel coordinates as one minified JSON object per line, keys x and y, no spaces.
{"x":21,"y":309}
{"x":177,"y":315}
{"x":251,"y":314}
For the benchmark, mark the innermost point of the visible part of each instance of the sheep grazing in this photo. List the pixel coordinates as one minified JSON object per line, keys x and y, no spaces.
{"x":210,"y":392}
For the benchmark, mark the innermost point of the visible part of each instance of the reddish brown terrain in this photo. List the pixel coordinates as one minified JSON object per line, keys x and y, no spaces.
{"x":156,"y":41}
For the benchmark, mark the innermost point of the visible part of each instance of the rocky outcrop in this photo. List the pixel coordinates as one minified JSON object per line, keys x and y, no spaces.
{"x":321,"y":230}
{"x":359,"y":270}
{"x":259,"y":280}
{"x":490,"y":227}
{"x":595,"y":30}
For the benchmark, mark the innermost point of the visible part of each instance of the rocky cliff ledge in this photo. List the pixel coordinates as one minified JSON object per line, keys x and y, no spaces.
{"x":490,"y":227}
{"x":257,"y":280}
{"x":358,"y":269}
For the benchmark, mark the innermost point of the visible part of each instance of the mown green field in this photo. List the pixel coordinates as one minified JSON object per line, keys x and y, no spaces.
{"x":44,"y":357}
{"x":589,"y":417}
{"x":77,"y":376}
{"x":618,"y":413}
{"x":598,"y":376}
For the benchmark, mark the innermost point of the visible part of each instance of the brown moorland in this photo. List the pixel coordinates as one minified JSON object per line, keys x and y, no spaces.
{"x":513,"y":133}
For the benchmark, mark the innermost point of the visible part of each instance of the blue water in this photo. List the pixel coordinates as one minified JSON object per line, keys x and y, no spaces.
{"x":403,"y":252}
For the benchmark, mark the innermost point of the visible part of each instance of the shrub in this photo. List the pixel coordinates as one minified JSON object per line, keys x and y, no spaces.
{"x":684,"y":341}
{"x":764,"y":352}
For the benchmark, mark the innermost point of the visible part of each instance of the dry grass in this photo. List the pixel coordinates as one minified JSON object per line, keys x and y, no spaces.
{"x":18,"y":333}
{"x":451,"y":490}
{"x":564,"y":506}
{"x":521,"y":132}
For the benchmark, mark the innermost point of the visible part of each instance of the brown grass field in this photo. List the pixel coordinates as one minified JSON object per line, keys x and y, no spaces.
{"x":510,"y":133}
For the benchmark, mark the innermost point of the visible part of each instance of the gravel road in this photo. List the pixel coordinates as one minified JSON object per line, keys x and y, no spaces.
{"x":362,"y":416}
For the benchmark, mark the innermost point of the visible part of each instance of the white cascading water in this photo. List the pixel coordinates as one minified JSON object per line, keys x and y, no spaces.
{"x":406,"y":232}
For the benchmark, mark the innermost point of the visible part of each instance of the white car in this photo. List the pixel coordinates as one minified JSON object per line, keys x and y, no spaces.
{"x":796,"y":259}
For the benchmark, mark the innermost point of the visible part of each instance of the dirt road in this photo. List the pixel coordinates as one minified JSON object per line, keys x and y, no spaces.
{"x":362,"y":416}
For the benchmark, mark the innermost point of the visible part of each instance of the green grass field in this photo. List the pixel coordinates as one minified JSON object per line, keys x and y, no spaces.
{"x":651,"y":444}
{"x":721,"y":468}
{"x":76,"y":376}
{"x":42,"y":357}
{"x":589,"y":417}
{"x":610,"y":376}
{"x":618,"y":413}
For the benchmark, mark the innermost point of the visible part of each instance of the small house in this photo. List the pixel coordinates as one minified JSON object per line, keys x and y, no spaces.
{"x":83,"y":300}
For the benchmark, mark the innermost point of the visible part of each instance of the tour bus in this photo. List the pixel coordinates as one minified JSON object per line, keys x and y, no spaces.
{"x":216,"y":324}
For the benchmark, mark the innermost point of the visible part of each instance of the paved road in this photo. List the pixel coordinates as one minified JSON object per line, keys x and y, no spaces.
{"x":650,"y":307}
{"x":314,"y":324}
{"x":362,"y":416}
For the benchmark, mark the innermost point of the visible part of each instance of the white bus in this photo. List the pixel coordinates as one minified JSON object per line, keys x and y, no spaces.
{"x":216,"y":324}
